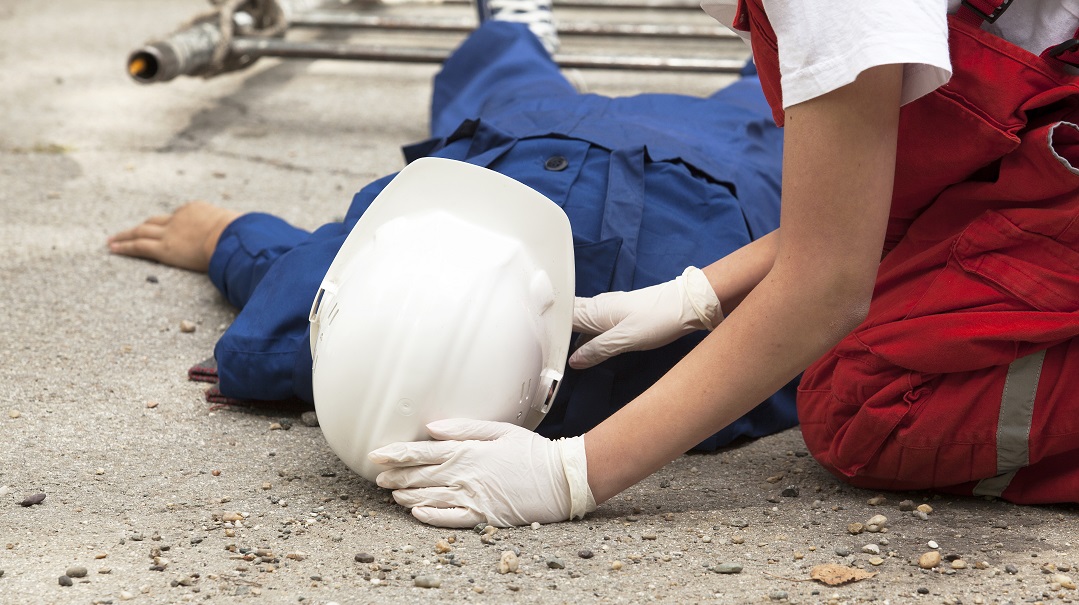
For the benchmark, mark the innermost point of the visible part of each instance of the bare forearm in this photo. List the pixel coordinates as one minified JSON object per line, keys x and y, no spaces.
{"x":818,"y":277}
{"x":748,"y":357}
{"x":735,"y":275}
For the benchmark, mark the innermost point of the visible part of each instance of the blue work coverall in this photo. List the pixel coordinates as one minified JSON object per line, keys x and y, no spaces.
{"x":651,"y":184}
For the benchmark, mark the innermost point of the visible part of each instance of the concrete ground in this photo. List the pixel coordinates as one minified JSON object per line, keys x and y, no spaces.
{"x":97,"y":413}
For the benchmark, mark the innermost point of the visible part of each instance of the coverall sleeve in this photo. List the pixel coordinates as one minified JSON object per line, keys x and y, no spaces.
{"x":248,"y":247}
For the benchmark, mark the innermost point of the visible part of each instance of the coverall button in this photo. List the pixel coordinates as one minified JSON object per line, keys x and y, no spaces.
{"x":556,"y":163}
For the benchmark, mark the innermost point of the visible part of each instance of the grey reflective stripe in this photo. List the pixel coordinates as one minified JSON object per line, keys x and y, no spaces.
{"x":1013,"y":426}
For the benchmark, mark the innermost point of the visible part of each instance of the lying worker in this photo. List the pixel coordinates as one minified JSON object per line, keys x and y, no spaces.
{"x":651,"y":185}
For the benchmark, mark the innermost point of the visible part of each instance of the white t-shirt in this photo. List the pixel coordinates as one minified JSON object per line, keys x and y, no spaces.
{"x":825,"y":45}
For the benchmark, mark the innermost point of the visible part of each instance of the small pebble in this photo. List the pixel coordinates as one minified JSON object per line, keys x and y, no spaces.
{"x":920,"y":515}
{"x":616,"y":565}
{"x":442,"y":546}
{"x":13,"y":414}
{"x":1064,"y":581}
{"x":649,"y":536}
{"x":151,"y":404}
{"x":555,"y":563}
{"x":365,"y":558}
{"x":778,"y":595}
{"x":187,"y":327}
{"x":876,"y":561}
{"x":872,"y":549}
{"x":981,"y":565}
{"x":923,"y":590}
{"x":842,"y":552}
{"x":738,"y":540}
{"x":508,"y":563}
{"x":929,"y":560}
{"x":878,"y":520}
{"x":32,"y":500}
{"x":906,"y":506}
{"x":959,"y":564}
{"x":856,"y":528}
{"x":925,"y":508}
{"x":427,"y":582}
{"x":535,"y":525}
{"x":65,"y":581}
{"x":152,"y":279}
{"x":791,"y":491}
{"x":728,"y":568}
{"x":876,"y":500}
{"x":584,"y":553}
{"x":932,"y":544}
{"x":309,"y":418}
{"x":77,"y":571}
{"x":1011,"y":569}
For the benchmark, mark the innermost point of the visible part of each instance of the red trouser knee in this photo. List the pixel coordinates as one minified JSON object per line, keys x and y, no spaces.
{"x":902,"y":429}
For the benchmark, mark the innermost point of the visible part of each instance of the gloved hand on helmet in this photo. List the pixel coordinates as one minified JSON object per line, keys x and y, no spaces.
{"x":643,"y":319}
{"x":477,"y":471}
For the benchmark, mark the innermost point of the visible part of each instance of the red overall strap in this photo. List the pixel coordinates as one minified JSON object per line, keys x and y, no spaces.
{"x":1067,"y":51}
{"x":977,"y":11}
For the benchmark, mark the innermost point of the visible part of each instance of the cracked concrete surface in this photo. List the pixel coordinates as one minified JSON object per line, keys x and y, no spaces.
{"x":91,"y":341}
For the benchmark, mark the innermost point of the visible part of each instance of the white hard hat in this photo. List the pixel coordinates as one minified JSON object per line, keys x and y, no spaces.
{"x":452,"y":297}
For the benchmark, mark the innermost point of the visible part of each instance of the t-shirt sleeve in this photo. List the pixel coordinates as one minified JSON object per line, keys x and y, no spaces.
{"x":825,"y":45}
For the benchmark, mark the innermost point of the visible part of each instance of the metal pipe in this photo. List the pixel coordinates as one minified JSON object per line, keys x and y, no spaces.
{"x":328,"y":19}
{"x":186,"y":52}
{"x":693,"y":5}
{"x":190,"y":52}
{"x":273,"y":47}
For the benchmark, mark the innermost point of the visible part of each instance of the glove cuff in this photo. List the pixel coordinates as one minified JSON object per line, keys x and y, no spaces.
{"x":702,"y":298}
{"x":575,"y":466}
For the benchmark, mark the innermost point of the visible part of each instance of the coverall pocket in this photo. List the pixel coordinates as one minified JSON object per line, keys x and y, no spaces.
{"x":1025,"y":265}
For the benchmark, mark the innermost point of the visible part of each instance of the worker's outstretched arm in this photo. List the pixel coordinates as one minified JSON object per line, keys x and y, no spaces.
{"x":838,"y":168}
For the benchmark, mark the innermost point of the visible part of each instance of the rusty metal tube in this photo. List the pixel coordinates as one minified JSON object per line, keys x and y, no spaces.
{"x":329,"y":19}
{"x":260,"y":47}
{"x":186,"y":52}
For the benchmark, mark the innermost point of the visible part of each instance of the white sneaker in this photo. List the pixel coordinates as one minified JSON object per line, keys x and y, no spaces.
{"x":536,"y":14}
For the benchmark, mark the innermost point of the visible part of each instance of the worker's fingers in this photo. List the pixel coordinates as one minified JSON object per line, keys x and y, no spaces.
{"x":617,"y":340}
{"x":448,"y":517}
{"x":413,"y":453}
{"x":465,"y":429}
{"x":139,"y":248}
{"x":145,"y":230}
{"x":411,"y":477}
{"x":593,"y":315}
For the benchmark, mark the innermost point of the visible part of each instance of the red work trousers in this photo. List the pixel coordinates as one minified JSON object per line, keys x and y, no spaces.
{"x":965,"y":375}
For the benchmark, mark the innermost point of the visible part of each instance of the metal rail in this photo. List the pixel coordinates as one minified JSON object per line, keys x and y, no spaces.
{"x":331,"y":19}
{"x":261,"y":47}
{"x":686,"y":5}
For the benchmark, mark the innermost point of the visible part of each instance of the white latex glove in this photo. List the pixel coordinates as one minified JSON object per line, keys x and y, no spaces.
{"x":643,"y":319}
{"x":492,"y":472}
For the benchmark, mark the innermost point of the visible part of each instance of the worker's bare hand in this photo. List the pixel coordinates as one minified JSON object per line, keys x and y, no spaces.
{"x":186,"y":238}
